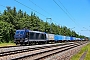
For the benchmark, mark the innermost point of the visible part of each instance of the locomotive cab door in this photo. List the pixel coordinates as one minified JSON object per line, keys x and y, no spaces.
{"x":27,"y":37}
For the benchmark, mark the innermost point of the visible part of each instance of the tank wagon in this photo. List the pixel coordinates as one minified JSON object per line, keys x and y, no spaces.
{"x":28,"y":37}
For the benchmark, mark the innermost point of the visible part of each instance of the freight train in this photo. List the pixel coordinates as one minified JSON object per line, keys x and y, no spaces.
{"x":28,"y":37}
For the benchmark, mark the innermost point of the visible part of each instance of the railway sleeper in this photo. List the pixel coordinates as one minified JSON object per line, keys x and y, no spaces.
{"x":40,"y":52}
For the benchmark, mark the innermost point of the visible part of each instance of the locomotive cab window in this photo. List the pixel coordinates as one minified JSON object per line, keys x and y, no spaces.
{"x":17,"y":32}
{"x":37,"y":35}
{"x":21,"y":32}
{"x":43,"y":36}
{"x":32,"y":35}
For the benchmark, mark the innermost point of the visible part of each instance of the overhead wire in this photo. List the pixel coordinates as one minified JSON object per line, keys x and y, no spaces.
{"x":5,"y":7}
{"x":65,"y":8}
{"x":36,"y":11}
{"x":32,"y":9}
{"x":40,"y":7}
{"x":2,"y":5}
{"x":65,"y":13}
{"x":29,"y":8}
{"x":86,"y":29}
{"x":68,"y":12}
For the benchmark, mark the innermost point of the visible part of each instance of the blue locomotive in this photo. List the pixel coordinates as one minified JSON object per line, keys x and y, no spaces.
{"x":28,"y":37}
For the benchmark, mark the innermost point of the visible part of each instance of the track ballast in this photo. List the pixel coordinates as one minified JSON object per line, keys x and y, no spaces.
{"x":37,"y":52}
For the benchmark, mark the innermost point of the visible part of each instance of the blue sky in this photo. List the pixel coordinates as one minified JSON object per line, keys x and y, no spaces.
{"x":79,"y":12}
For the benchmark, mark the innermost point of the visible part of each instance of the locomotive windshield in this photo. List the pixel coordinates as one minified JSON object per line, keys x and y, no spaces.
{"x":19,"y":32}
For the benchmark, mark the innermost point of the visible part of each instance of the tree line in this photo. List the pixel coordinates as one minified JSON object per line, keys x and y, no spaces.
{"x":11,"y":20}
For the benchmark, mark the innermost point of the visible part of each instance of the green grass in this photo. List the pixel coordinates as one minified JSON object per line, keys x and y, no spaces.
{"x":88,"y":53}
{"x":83,"y":49}
{"x":7,"y":44}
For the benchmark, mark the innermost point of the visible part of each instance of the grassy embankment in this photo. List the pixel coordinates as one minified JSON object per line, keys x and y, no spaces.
{"x":83,"y":49}
{"x":7,"y":44}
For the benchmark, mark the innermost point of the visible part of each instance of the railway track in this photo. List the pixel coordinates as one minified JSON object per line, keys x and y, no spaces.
{"x":13,"y":50}
{"x":7,"y":47}
{"x":36,"y":52}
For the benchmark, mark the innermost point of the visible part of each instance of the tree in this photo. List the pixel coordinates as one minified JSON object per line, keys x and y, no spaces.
{"x":5,"y":31}
{"x":11,"y":20}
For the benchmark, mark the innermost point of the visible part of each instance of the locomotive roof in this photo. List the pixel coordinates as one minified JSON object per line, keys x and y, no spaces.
{"x":32,"y":31}
{"x":37,"y":32}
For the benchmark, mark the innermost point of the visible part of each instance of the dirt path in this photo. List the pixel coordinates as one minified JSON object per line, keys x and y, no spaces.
{"x":83,"y":55}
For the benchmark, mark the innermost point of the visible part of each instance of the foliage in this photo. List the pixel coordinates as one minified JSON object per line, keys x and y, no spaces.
{"x":80,"y":53}
{"x":6,"y":31}
{"x":11,"y":20}
{"x":88,"y":52}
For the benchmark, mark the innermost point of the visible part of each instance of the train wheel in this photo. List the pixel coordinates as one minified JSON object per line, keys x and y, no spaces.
{"x":18,"y":44}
